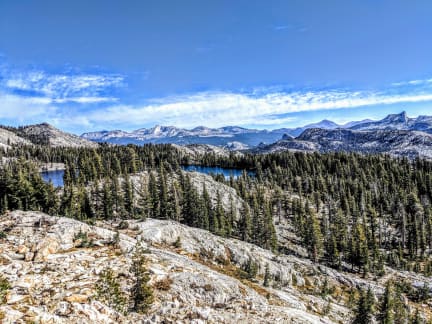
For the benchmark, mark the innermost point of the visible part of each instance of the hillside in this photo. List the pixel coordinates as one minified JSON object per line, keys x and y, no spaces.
{"x":9,"y":138}
{"x":41,"y":134}
{"x":53,"y":275}
{"x":48,"y":135}
{"x":302,"y":237}
{"x":193,"y":286}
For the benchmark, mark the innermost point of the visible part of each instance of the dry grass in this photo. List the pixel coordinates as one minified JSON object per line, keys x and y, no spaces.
{"x":234,"y":272}
{"x":163,"y":284}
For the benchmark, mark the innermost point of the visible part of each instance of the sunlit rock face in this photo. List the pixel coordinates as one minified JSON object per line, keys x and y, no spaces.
{"x":194,"y":274}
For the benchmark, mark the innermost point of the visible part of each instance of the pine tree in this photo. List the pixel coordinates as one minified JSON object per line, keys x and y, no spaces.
{"x":417,"y":319}
{"x":128,"y":193}
{"x":117,"y":197}
{"x":108,"y":291}
{"x":269,"y":232}
{"x":107,"y":200}
{"x":176,"y":203}
{"x":334,"y":258}
{"x":144,"y":201}
{"x":207,"y":212}
{"x":220,"y":216}
{"x":231,"y":218}
{"x":190,"y":205}
{"x":401,"y":309}
{"x":163,"y":194}
{"x":142,"y":293}
{"x":386,"y":315}
{"x":266,"y":276}
{"x":244,"y":227}
{"x":313,"y":239}
{"x":364,"y":310}
{"x":359,"y":252}
{"x":257,"y":224}
{"x":154,"y":211}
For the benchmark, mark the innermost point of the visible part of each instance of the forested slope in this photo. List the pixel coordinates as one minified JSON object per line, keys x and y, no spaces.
{"x":364,"y":215}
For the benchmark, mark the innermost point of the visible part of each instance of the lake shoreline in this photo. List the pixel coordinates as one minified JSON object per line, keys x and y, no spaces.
{"x":48,"y":167}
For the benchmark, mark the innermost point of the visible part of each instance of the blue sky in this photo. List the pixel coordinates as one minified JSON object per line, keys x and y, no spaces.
{"x":92,"y":65}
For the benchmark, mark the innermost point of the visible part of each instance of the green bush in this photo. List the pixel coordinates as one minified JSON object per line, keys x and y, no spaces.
{"x":4,"y":287}
{"x":123,"y":225}
{"x":177,"y":244}
{"x":83,"y":240}
{"x":108,"y":291}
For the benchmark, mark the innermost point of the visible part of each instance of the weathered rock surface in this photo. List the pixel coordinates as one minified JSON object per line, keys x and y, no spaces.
{"x":53,"y":279}
{"x":57,"y":284}
{"x":8,"y":138}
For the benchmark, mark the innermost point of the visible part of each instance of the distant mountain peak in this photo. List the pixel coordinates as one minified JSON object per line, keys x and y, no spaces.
{"x":325,"y":123}
{"x":42,"y":125}
{"x":401,"y":118}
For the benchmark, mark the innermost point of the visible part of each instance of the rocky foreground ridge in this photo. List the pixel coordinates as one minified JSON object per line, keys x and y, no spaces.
{"x":52,"y":275}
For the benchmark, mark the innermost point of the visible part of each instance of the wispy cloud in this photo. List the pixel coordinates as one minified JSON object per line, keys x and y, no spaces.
{"x":24,"y":109}
{"x":218,"y":109}
{"x":293,"y":27}
{"x":86,"y":101}
{"x":281,"y":27}
{"x":62,"y":87}
{"x":413,"y":82}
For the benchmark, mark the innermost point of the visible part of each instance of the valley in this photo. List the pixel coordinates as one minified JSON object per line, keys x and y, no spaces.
{"x":215,"y":162}
{"x":302,"y":237}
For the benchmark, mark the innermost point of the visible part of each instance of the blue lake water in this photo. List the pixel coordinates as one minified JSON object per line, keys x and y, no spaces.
{"x":56,"y":177}
{"x":226,"y":172}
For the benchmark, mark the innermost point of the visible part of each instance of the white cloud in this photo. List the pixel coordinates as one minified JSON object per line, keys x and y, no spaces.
{"x":413,"y":82}
{"x":281,"y":27}
{"x":61,"y":99}
{"x":219,"y":109}
{"x":62,"y":85}
{"x":23,"y":109}
{"x":294,"y":27}
{"x":84,"y":100}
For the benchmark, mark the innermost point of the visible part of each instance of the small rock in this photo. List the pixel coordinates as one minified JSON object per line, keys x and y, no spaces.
{"x":29,"y":256}
{"x":16,"y":256}
{"x":22,"y":249}
{"x":48,"y":246}
{"x":77,"y":298}
{"x":14,"y":298}
{"x":63,"y":309}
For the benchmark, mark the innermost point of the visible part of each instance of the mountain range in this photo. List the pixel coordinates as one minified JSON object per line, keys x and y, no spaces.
{"x":224,"y":136}
{"x":410,"y":144}
{"x":239,"y":137}
{"x":396,"y":134}
{"x":229,"y":136}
